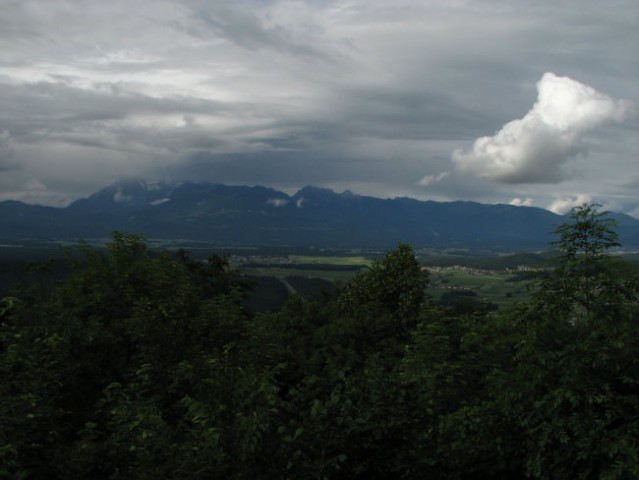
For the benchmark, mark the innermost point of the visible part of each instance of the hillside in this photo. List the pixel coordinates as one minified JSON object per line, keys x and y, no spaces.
{"x":257,"y":215}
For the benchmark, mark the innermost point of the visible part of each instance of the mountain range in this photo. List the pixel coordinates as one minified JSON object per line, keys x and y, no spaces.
{"x":257,"y":215}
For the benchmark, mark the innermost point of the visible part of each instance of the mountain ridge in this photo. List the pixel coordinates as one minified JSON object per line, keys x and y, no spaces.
{"x":259,"y":215}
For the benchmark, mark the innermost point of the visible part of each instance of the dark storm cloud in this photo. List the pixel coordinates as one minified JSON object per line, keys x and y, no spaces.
{"x":105,"y":118}
{"x":385,"y":112}
{"x":6,"y":150}
{"x":245,"y":28}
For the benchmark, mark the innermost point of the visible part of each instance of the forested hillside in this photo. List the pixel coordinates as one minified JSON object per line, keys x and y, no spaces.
{"x":144,"y":364}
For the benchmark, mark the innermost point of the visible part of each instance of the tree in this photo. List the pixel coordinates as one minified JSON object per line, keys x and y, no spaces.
{"x":575,"y":387}
{"x":587,"y":279}
{"x":395,"y":285}
{"x":124,"y":367}
{"x":143,"y":364}
{"x":547,"y":390}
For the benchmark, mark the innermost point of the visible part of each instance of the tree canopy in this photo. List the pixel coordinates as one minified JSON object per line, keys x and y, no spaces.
{"x":145,"y":364}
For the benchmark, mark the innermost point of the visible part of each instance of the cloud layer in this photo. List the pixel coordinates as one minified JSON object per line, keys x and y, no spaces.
{"x":565,"y":204}
{"x":533,"y":149}
{"x":6,"y":150}
{"x":371,"y":96}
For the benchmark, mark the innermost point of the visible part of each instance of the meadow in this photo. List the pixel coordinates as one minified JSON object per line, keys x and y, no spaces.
{"x":276,"y":273}
{"x":502,"y":281}
{"x":494,"y":287}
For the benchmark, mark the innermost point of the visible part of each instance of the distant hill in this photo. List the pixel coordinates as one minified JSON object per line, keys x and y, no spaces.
{"x":243,"y":215}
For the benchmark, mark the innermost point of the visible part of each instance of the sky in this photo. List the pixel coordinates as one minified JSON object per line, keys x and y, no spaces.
{"x":524,"y":102}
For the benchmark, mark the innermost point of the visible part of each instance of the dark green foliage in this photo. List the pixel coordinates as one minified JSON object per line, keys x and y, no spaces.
{"x":394,"y":285}
{"x":143,"y":364}
{"x":586,"y":276}
{"x":312,"y":288}
{"x":576,"y":363}
{"x":464,"y":302}
{"x":110,"y":356}
{"x":267,"y":294}
{"x":306,"y":266}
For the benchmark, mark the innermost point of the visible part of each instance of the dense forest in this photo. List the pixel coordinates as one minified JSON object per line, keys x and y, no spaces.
{"x":145,"y":364}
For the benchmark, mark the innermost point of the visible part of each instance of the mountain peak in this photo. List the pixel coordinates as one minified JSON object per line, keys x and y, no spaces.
{"x":124,"y":193}
{"x":256,"y":215}
{"x":310,"y":190}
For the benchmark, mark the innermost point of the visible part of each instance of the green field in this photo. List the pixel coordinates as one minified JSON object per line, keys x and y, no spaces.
{"x":490,"y":287}
{"x":308,"y":274}
{"x":324,"y":274}
{"x":499,"y":286}
{"x":328,"y":268}
{"x":330,"y":260}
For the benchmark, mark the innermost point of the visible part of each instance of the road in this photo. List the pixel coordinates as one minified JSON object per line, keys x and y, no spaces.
{"x":289,"y":287}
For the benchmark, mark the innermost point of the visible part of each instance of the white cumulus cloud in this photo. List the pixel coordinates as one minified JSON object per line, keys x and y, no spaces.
{"x":120,"y":197}
{"x":522,"y":202}
{"x":277,"y":202}
{"x":534,"y":148}
{"x":429,"y":180}
{"x":565,"y":204}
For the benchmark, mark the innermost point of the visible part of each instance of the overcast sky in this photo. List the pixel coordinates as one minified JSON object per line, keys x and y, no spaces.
{"x":523,"y":102}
